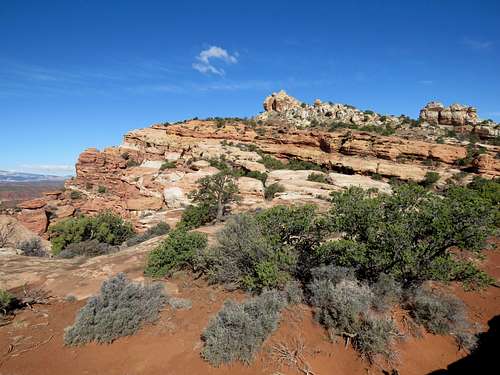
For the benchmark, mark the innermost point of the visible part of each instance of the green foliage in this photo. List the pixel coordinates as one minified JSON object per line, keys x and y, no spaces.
{"x":217,"y":192}
{"x":271,"y":190}
{"x":407,"y":234}
{"x":473,"y":151}
{"x":430,"y":179}
{"x":489,"y":190}
{"x":120,"y":310}
{"x":157,"y":230}
{"x":376,"y":176}
{"x":271,"y":163}
{"x":177,"y":251}
{"x":258,"y":175}
{"x":220,"y":164}
{"x":102,"y":189}
{"x":261,"y":251}
{"x":297,"y":165}
{"x":375,"y":336}
{"x":6,"y":300}
{"x":238,"y":330}
{"x":317,"y":177}
{"x":167,"y":164}
{"x":106,"y":227}
{"x":196,"y":216}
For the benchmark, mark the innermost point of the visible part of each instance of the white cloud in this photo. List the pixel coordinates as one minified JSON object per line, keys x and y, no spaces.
{"x":477,"y":44}
{"x":204,"y":62}
{"x":426,"y":82}
{"x":57,"y":169}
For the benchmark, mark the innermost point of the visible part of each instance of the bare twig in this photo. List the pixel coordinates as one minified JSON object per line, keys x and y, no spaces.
{"x":292,"y":356}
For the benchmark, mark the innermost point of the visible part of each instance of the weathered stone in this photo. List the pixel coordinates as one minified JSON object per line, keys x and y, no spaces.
{"x":175,"y":198}
{"x":32,"y":204}
{"x":35,"y":220}
{"x":144,"y":203}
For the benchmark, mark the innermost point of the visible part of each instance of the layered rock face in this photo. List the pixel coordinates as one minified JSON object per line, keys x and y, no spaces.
{"x":136,"y":181}
{"x":281,"y":106}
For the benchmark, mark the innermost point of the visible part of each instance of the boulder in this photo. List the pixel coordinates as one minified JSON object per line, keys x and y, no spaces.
{"x":35,"y":220}
{"x":33,"y":204}
{"x":251,"y":186}
{"x":175,"y":197}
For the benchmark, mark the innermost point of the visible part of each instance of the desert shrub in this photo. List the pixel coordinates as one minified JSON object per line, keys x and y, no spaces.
{"x":258,"y":175}
{"x":74,"y":194}
{"x":317,"y":177}
{"x":430,"y":179}
{"x":262,"y":250}
{"x":176,"y":252}
{"x":375,"y":336}
{"x":167,"y":164}
{"x":180,"y":303}
{"x":157,"y":230}
{"x":387,"y":291}
{"x":195,"y":216}
{"x":216,"y":192}
{"x":106,"y":227}
{"x":271,"y":190}
{"x":297,"y":164}
{"x":6,"y":300}
{"x":376,"y":176}
{"x":120,"y":310}
{"x":293,"y":292}
{"x":238,"y":330}
{"x":220,"y":163}
{"x":407,"y":234}
{"x":339,"y":305}
{"x":271,"y":163}
{"x":490,"y":191}
{"x":102,"y":189}
{"x":437,"y":312}
{"x":245,"y":258}
{"x":32,"y":247}
{"x":89,"y":248}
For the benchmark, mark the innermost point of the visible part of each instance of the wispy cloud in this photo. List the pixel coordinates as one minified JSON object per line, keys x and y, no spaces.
{"x":426,"y":82}
{"x":204,"y":61}
{"x":476,"y":43}
{"x":56,"y":169}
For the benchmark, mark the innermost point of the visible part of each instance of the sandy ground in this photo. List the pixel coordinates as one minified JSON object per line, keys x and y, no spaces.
{"x":33,"y":342}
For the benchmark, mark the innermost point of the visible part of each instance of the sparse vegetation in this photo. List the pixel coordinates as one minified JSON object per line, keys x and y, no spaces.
{"x":132,"y":163}
{"x":430,"y":179}
{"x":102,"y":189}
{"x":75,"y":194}
{"x":238,"y":331}
{"x":177,"y":251}
{"x":120,"y":310}
{"x":271,"y":190}
{"x":317,"y":177}
{"x":195,"y":216}
{"x":167,"y":164}
{"x":32,"y":247}
{"x":6,"y":300}
{"x":157,"y":230}
{"x":89,"y":248}
{"x":106,"y":227}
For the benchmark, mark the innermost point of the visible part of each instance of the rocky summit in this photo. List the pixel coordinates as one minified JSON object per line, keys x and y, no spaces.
{"x":148,"y":178}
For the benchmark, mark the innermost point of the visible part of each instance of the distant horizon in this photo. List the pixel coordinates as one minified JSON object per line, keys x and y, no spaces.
{"x":81,"y":74}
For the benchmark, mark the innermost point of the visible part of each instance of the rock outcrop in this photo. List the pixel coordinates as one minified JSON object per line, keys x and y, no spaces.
{"x":435,"y":113}
{"x":283,"y":107}
{"x":134,"y":180}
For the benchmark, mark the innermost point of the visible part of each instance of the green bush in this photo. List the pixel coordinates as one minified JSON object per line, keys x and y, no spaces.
{"x":258,"y":175}
{"x":387,"y":291}
{"x":132,"y":163}
{"x":196,"y":216}
{"x":167,"y":164}
{"x":271,"y":190}
{"x":120,"y":310}
{"x":106,"y":227}
{"x":271,"y":163}
{"x":407,"y":234}
{"x":430,"y":179}
{"x":238,"y":330}
{"x":260,"y":251}
{"x":6,"y":300}
{"x":317,"y":177}
{"x":102,"y":189}
{"x":176,"y":252}
{"x":157,"y":230}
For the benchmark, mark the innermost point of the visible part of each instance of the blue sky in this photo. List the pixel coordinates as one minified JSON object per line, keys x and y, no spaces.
{"x":81,"y":73}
